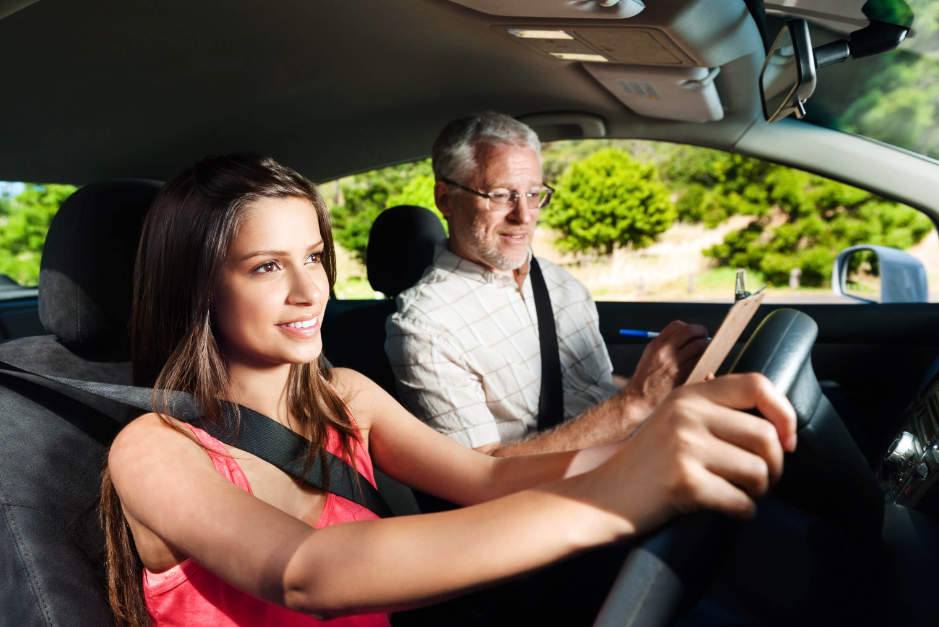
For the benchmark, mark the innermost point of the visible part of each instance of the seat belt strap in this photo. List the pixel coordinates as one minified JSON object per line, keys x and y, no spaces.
{"x":257,"y":434}
{"x":551,"y":396}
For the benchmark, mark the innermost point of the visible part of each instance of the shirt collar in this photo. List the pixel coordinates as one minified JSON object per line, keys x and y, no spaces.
{"x":445,"y":259}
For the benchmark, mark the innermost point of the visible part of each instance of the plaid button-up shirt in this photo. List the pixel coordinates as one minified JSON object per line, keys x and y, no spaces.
{"x":465,"y":351}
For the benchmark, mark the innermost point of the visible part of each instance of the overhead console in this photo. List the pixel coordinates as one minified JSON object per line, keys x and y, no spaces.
{"x":592,"y":9}
{"x":659,"y":61}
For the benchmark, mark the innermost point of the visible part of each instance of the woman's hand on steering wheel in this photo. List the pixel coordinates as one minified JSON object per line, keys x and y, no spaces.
{"x":701,"y":450}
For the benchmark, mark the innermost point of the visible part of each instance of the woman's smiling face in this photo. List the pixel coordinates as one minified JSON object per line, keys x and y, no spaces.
{"x":273,"y":290}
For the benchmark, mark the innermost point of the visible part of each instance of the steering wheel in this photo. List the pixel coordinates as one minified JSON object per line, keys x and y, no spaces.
{"x":827,"y":476}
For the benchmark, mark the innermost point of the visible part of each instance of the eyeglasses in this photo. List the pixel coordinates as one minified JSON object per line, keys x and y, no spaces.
{"x":503,"y":200}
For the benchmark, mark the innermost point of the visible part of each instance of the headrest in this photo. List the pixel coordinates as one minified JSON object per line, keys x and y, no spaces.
{"x":400,"y":247}
{"x":87,"y":270}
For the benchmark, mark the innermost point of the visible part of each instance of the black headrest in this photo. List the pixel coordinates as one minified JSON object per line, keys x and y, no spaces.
{"x":86,"y":274}
{"x":400,"y":247}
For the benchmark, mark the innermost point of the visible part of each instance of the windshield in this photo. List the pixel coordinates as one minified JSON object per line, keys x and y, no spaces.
{"x":892,"y":97}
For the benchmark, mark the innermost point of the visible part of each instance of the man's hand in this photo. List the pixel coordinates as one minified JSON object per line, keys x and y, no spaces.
{"x":665,"y":364}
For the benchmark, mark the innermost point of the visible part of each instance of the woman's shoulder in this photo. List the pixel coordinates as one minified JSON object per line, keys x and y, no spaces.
{"x":349,"y":383}
{"x":360,"y":394}
{"x":148,"y":439}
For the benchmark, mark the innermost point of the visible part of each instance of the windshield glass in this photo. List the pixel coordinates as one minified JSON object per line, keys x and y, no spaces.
{"x":890,"y":97}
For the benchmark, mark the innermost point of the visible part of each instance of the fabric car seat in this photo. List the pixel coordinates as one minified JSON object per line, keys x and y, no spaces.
{"x":53,"y":439}
{"x":400,"y":249}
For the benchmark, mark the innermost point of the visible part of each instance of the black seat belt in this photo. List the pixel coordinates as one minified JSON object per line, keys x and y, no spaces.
{"x":551,"y":397}
{"x":257,"y":434}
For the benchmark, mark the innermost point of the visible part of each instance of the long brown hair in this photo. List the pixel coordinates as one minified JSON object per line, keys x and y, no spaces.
{"x":192,"y":223}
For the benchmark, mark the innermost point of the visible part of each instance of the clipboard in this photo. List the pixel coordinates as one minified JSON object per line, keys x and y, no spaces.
{"x":733,"y":325}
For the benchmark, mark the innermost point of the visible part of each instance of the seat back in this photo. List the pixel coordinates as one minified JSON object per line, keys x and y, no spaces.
{"x":52,"y":445}
{"x":400,"y":249}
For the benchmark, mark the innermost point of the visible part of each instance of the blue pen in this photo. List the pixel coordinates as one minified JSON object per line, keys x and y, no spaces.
{"x":637,"y":333}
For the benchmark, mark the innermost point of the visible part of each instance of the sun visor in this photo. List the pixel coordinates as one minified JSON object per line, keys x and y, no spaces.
{"x":687,"y":94}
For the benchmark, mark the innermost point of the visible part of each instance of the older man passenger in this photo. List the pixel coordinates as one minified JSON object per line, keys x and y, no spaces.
{"x":464,"y":342}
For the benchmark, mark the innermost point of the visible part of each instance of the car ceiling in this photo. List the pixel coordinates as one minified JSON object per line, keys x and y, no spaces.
{"x":108,"y":89}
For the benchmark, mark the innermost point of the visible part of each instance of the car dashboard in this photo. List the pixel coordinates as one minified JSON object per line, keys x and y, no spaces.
{"x":909,"y":468}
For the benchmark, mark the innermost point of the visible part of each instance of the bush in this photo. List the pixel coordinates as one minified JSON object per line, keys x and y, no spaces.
{"x":24,"y":222}
{"x":715,"y":185}
{"x":609,"y":200}
{"x":822,"y":218}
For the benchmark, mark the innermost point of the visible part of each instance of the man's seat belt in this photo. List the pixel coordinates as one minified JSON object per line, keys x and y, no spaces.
{"x":257,"y":434}
{"x":551,"y":397}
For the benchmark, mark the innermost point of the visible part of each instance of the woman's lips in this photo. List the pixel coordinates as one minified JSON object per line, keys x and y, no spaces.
{"x":302,"y":329}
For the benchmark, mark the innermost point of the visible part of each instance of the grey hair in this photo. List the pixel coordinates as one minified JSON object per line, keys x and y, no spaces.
{"x":453,"y":154}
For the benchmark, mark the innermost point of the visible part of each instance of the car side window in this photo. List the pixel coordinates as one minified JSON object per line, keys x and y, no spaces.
{"x":653,"y":221}
{"x":638,"y":220}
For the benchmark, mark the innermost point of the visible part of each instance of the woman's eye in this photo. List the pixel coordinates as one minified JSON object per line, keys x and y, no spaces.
{"x":315,"y":258}
{"x":268,"y":267}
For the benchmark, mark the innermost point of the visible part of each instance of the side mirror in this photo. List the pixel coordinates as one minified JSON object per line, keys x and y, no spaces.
{"x":788,"y":75}
{"x":879,"y":274}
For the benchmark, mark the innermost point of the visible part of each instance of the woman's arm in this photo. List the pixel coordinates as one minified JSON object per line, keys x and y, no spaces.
{"x":695,"y":451}
{"x":409,"y":451}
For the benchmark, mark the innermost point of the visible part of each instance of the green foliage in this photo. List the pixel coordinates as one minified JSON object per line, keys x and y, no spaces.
{"x":365,"y":196}
{"x":609,"y":199}
{"x":822,"y":217}
{"x":420,"y":192}
{"x":716,"y":185}
{"x":24,"y":221}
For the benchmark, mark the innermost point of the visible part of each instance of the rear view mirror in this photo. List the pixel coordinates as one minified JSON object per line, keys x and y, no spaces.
{"x":879,"y":274}
{"x":788,"y":75}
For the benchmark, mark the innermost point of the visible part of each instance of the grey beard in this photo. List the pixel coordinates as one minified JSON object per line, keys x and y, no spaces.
{"x":492,"y":256}
{"x":488,"y":251}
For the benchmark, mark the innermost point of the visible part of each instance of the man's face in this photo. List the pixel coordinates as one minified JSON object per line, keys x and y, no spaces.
{"x":497,"y":238}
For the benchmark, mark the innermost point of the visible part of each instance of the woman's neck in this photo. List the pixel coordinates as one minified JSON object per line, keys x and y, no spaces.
{"x":263,"y":390}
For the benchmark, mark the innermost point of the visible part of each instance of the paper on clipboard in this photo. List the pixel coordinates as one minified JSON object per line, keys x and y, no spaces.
{"x":725,"y":338}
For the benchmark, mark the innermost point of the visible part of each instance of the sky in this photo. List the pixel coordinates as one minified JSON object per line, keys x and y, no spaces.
{"x":11,"y":189}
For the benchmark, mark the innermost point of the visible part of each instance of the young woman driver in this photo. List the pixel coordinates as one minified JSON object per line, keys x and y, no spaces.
{"x":234,"y":270}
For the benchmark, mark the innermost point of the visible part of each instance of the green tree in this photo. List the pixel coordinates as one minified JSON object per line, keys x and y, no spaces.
{"x":24,"y":222}
{"x":609,"y":199}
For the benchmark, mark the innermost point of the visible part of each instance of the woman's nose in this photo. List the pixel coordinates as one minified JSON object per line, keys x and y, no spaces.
{"x":303,"y":289}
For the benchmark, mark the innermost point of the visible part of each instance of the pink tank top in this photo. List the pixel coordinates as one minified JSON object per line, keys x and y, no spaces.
{"x":189,"y":595}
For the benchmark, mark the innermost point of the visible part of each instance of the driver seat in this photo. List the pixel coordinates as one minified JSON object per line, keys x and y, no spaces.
{"x":53,"y":439}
